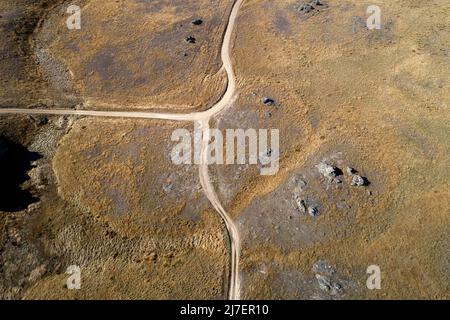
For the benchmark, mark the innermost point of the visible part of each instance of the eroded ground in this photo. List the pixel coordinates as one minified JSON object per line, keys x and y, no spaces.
{"x":144,"y":230}
{"x":23,"y":82}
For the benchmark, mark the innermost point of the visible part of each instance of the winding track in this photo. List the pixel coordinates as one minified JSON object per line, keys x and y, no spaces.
{"x":203,"y":118}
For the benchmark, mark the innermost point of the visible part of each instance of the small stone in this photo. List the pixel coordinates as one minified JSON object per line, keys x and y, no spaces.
{"x":301,"y":204}
{"x":313,"y":212}
{"x":197,"y":22}
{"x":358,"y":181}
{"x":268,"y":101}
{"x":306,"y":8}
{"x":191,"y":39}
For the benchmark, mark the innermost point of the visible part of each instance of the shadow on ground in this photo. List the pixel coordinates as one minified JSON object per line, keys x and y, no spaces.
{"x":15,"y":162}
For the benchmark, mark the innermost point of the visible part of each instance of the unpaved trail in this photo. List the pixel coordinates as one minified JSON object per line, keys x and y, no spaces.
{"x":201,"y":117}
{"x":233,"y":233}
{"x":205,"y":179}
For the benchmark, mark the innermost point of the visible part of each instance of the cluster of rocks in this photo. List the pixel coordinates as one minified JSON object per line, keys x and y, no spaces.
{"x":327,"y":278}
{"x":304,"y":204}
{"x":192,"y":39}
{"x":333,"y":174}
{"x":308,"y":206}
{"x":308,"y":7}
{"x":305,"y":207}
{"x":326,"y":284}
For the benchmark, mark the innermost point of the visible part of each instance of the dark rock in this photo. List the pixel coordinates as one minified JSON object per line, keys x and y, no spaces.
{"x":197,"y":22}
{"x":268,"y":101}
{"x":191,"y":39}
{"x":307,"y":8}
